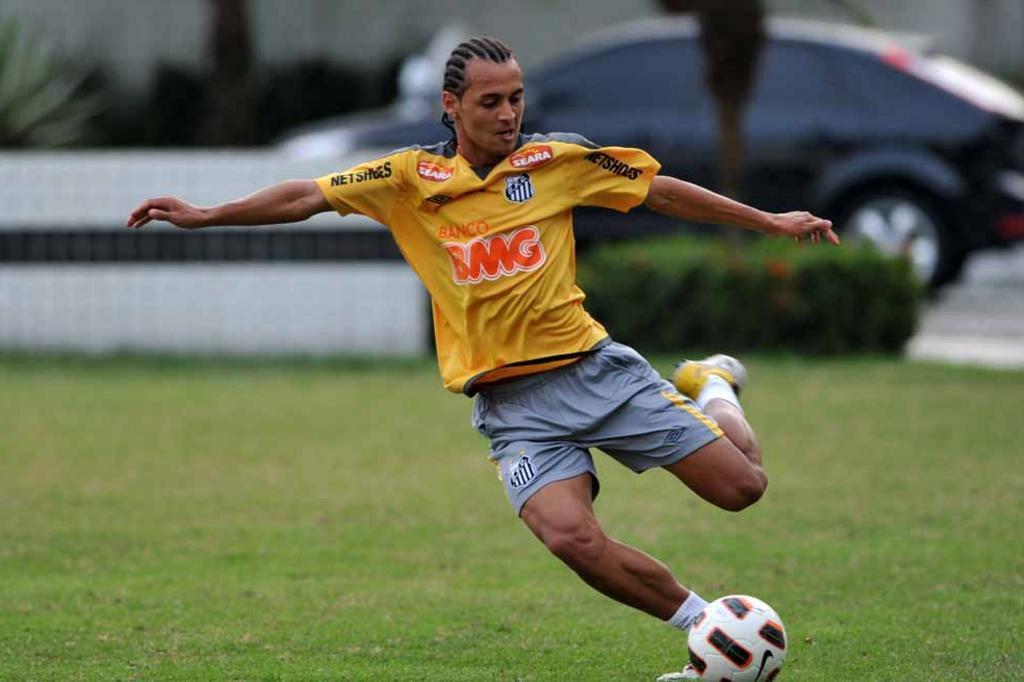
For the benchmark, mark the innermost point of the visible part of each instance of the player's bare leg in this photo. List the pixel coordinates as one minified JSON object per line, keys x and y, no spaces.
{"x":562,"y":517}
{"x":736,"y":428}
{"x":722,"y":474}
{"x":728,"y":472}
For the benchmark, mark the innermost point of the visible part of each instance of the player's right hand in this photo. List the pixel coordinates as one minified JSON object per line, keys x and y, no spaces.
{"x":169,"y":209}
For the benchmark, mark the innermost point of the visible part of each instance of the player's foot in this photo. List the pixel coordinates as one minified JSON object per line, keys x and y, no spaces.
{"x":690,"y":375}
{"x":687,"y":673}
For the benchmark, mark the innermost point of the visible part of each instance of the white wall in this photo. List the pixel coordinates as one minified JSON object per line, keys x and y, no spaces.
{"x":131,"y":37}
{"x":360,"y":307}
{"x":95,"y":188}
{"x":227,"y":309}
{"x":988,"y":33}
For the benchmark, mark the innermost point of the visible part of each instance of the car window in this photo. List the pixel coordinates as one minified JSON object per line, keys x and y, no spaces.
{"x":898,"y":97}
{"x":663,"y":73}
{"x":790,"y":74}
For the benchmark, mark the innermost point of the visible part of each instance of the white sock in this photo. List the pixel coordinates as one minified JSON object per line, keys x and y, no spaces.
{"x":717,"y":388}
{"x":688,"y":612}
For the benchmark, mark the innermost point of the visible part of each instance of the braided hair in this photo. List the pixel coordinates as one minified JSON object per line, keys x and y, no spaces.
{"x":489,"y":49}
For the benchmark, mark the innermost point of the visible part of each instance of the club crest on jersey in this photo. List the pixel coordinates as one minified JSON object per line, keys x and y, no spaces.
{"x":522,"y":472}
{"x":434,"y":172}
{"x":518,"y":188}
{"x":531,"y":157}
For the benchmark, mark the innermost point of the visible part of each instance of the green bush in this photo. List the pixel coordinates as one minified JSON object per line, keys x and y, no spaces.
{"x":667,"y":294}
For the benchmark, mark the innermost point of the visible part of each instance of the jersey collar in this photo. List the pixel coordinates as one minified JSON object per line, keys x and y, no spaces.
{"x":482,"y":171}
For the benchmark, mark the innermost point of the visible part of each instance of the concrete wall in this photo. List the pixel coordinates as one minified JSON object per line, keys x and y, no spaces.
{"x":278,"y":307}
{"x":988,"y":33}
{"x":130,"y":37}
{"x":225,"y":309}
{"x":90,"y":189}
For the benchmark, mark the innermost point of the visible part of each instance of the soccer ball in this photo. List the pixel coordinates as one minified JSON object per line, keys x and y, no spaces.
{"x":737,"y":638}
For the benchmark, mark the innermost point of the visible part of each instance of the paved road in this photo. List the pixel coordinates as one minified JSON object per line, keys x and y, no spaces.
{"x":980,"y":320}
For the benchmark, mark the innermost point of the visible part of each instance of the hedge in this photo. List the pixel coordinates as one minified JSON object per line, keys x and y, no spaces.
{"x":670,"y":294}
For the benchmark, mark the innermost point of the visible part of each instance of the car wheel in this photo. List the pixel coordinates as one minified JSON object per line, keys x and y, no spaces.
{"x":902,"y":223}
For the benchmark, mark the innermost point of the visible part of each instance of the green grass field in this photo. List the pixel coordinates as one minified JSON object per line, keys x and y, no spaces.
{"x":193,"y":521}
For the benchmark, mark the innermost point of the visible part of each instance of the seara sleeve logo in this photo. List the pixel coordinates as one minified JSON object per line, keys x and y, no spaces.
{"x":434,"y":172}
{"x":497,"y":256}
{"x":531,"y":157}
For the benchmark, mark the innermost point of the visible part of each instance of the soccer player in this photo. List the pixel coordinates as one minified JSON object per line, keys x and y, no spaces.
{"x":485,"y":221}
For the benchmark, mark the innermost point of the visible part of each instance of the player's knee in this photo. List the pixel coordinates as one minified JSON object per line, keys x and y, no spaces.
{"x":578,"y":545}
{"x":745,"y":492}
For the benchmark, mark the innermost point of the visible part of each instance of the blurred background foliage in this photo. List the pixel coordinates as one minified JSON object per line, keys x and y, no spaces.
{"x":51,"y":100}
{"x":177,"y":108}
{"x":45,"y":100}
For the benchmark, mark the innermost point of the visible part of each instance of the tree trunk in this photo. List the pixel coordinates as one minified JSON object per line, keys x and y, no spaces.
{"x":231,"y":102}
{"x":731,"y":36}
{"x":730,"y":130}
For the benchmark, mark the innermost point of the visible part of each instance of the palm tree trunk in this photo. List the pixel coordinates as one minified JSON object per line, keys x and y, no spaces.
{"x":231,"y":102}
{"x":732,"y":34}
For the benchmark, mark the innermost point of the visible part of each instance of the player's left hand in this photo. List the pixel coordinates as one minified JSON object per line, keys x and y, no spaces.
{"x":802,"y":225}
{"x":169,"y":209}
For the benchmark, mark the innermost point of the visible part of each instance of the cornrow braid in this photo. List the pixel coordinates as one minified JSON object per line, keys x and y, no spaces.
{"x":489,"y":49}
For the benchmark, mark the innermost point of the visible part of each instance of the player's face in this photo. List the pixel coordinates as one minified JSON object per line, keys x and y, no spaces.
{"x":490,"y":112}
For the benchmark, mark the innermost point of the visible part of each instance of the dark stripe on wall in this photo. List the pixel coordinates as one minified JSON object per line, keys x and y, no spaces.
{"x":125,"y":246}
{"x":104,"y":244}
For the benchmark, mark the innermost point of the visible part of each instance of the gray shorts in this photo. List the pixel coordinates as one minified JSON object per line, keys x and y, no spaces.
{"x":542,"y":426}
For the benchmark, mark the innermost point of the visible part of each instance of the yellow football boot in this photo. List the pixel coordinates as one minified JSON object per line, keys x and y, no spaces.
{"x":690,"y":375}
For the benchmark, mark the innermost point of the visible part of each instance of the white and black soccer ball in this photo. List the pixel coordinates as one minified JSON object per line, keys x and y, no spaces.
{"x":737,"y":638}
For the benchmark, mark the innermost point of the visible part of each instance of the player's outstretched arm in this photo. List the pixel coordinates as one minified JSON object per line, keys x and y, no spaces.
{"x":679,"y":199}
{"x":285,"y":202}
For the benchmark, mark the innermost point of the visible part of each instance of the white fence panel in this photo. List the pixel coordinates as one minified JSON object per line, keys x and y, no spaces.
{"x":81,"y":190}
{"x":232,"y":309}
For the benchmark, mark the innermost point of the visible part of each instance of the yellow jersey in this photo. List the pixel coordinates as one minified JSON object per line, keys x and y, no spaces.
{"x":494,"y":246}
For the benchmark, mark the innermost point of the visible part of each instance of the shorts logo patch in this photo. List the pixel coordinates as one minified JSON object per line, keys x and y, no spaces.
{"x":518,"y":188}
{"x":522,"y":472}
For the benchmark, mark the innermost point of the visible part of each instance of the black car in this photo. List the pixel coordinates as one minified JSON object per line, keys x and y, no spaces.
{"x":917,"y":152}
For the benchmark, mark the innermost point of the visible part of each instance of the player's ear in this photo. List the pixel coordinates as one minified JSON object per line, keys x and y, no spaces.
{"x":449,"y":102}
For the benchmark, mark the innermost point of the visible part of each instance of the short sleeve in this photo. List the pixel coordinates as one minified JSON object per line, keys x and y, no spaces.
{"x":370,"y":188}
{"x":613,"y":177}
